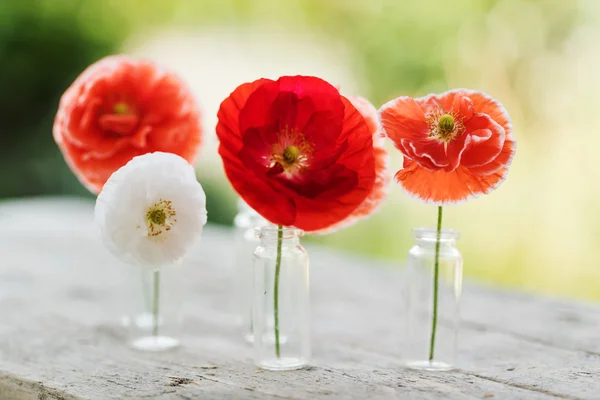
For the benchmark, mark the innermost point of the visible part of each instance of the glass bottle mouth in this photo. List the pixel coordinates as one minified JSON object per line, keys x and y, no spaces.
{"x":430,"y":235}
{"x":272,"y":232}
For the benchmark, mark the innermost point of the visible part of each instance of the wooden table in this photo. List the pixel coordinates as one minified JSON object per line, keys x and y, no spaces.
{"x":62,"y":294}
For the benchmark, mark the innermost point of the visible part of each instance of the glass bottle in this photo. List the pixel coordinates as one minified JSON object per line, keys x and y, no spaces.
{"x":156,"y":308}
{"x":430,"y":341}
{"x":281,"y":306}
{"x":246,"y":240}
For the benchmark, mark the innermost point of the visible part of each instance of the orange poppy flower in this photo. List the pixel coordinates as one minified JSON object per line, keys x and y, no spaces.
{"x":382,"y":173}
{"x":456,"y":145}
{"x":119,"y":108}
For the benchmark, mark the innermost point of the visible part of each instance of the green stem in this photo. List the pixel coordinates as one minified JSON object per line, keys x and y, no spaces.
{"x":156,"y":298}
{"x":436,"y":275}
{"x":276,"y":290}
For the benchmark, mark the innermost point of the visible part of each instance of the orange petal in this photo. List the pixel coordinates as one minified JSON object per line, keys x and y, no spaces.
{"x":503,"y":160}
{"x":486,"y":141}
{"x":403,"y":121}
{"x":403,"y":118}
{"x":485,"y":104}
{"x":444,"y":188}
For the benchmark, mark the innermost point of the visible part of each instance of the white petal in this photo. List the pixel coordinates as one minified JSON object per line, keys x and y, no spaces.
{"x":122,"y":205}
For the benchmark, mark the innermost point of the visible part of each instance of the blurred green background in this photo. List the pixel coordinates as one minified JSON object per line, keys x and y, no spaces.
{"x":538,"y":231}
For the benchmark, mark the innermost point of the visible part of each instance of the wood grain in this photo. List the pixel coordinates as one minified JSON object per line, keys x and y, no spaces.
{"x":62,"y":297}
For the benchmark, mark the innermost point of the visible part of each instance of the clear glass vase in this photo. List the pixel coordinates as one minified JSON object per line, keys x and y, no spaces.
{"x":432,"y":300}
{"x":246,"y":221}
{"x":155,"y":309}
{"x":281,"y":306}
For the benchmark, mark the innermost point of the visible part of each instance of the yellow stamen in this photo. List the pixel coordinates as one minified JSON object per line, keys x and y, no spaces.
{"x":444,"y":126}
{"x":157,"y":217}
{"x":446,"y":123}
{"x":160,"y":217}
{"x":121,"y":108}
{"x":291,"y":154}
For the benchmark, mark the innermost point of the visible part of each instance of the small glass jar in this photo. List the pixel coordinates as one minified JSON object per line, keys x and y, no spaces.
{"x":432,"y":301}
{"x":281,"y":306}
{"x":155,"y":311}
{"x":246,"y":221}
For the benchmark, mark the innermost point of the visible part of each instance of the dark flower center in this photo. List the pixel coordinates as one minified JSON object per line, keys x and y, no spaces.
{"x":120,"y":120}
{"x":157,"y":217}
{"x":121,"y":108}
{"x":446,"y":123}
{"x":160,"y":217}
{"x":291,"y":154}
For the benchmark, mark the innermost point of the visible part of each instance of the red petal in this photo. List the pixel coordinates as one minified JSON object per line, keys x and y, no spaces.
{"x":322,"y":196}
{"x":329,"y":208}
{"x":313,"y":95}
{"x":118,"y":124}
{"x":383,"y":177}
{"x":253,"y":188}
{"x":228,"y":127}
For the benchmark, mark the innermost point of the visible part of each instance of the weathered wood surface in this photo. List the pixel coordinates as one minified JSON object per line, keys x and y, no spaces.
{"x":61,"y":295}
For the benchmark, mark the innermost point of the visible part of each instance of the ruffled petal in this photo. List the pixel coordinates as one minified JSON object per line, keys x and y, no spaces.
{"x":485,"y":104}
{"x":403,"y":118}
{"x":129,"y":192}
{"x":503,"y":160}
{"x":452,"y":101}
{"x":486,"y":141}
{"x":445,"y":188}
{"x":403,"y":121}
{"x":161,"y":115}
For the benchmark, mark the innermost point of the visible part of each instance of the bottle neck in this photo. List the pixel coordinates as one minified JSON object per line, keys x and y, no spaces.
{"x":428,"y":237}
{"x":270,"y":236}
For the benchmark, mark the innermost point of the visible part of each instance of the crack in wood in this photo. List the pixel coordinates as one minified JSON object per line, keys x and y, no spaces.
{"x":520,"y":386}
{"x":177,"y":381}
{"x":482,"y":327}
{"x":277,"y":396}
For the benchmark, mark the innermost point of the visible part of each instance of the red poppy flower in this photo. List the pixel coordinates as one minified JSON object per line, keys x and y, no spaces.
{"x":119,"y":108}
{"x":456,"y":145}
{"x":382,"y":177}
{"x":296,"y":151}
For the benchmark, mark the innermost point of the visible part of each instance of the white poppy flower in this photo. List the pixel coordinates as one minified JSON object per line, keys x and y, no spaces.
{"x":152,"y":210}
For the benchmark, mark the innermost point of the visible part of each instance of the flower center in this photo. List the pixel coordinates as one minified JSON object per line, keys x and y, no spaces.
{"x":121,"y":108}
{"x":157,"y":217}
{"x":446,"y":123}
{"x":121,"y":119}
{"x":444,"y":126}
{"x":160,"y":217}
{"x":290,"y":154}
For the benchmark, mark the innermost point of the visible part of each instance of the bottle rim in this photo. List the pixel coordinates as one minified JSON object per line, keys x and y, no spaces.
{"x":272,"y":231}
{"x":430,"y":234}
